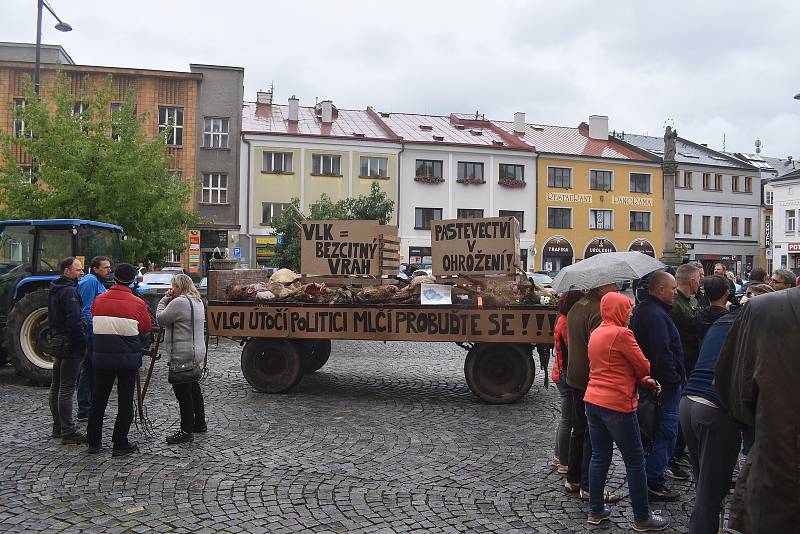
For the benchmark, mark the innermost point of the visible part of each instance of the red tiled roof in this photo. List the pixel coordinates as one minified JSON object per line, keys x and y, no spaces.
{"x":571,"y":141}
{"x":462,"y":129}
{"x":274,"y":119}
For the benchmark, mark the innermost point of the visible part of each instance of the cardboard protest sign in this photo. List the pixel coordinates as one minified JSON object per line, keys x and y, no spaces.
{"x":341,"y":247}
{"x":442,"y":323}
{"x":475,"y":246}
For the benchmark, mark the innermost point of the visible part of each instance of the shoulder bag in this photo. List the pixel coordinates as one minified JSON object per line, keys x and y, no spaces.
{"x":182,"y":371}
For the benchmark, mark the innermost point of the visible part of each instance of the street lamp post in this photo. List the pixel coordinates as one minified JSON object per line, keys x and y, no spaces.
{"x":61,"y":26}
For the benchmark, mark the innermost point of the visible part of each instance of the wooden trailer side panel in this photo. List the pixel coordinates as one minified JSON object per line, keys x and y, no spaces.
{"x":441,"y":323}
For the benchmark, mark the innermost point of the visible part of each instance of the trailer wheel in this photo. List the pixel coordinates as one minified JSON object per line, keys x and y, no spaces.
{"x":499,"y":373}
{"x":25,"y":338}
{"x":271,"y":365}
{"x":314,"y":353}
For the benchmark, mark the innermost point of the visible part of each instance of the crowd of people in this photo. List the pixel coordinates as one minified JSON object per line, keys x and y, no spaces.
{"x":685,"y":383}
{"x":98,"y":336}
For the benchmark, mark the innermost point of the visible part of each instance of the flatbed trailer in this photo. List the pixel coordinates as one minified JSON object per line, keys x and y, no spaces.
{"x":283,"y":341}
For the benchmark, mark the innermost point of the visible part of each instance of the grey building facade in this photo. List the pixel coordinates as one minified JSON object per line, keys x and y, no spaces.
{"x":717,"y":204}
{"x":26,"y":52}
{"x":219,"y":124}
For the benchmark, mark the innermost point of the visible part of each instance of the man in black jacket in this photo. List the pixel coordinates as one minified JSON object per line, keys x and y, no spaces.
{"x":68,"y":334}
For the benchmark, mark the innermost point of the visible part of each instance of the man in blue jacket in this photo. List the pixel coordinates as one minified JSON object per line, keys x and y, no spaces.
{"x":661,"y":344}
{"x":68,"y":340}
{"x":89,"y":287}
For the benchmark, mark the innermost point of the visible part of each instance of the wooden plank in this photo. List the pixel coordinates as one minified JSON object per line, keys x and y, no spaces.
{"x":479,"y":246}
{"x":389,"y":323}
{"x":390,"y":256}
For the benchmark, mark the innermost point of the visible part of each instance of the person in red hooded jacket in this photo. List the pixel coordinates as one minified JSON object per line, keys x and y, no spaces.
{"x":616,"y":367}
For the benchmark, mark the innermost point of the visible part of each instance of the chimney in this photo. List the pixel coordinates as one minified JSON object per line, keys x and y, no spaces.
{"x":327,"y":111}
{"x":264,"y":97}
{"x":598,"y":127}
{"x":519,"y":122}
{"x":294,"y":109}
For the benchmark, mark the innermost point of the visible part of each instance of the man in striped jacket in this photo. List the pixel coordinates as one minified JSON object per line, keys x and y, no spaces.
{"x":119,"y":320}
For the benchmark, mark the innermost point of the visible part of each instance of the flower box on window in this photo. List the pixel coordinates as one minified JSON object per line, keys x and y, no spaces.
{"x":429,"y":179}
{"x":511,"y":182}
{"x":471,"y":181}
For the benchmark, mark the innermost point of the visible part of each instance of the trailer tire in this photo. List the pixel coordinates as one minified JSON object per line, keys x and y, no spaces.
{"x":24,"y":338}
{"x":271,"y":365}
{"x":499,"y":373}
{"x":314,"y":353}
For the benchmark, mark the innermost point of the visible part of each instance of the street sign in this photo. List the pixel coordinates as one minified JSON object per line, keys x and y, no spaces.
{"x":237,"y":252}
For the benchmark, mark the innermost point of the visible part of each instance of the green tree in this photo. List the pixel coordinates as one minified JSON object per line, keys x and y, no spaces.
{"x":97,"y":165}
{"x":374,"y":206}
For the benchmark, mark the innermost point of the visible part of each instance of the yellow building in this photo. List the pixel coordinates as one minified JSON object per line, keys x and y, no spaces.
{"x":595,"y":194}
{"x":305,"y":152}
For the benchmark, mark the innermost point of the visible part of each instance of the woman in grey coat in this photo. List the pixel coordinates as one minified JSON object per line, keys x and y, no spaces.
{"x":185,"y":347}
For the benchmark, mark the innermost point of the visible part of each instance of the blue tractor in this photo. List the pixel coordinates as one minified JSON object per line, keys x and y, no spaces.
{"x":30,"y":252}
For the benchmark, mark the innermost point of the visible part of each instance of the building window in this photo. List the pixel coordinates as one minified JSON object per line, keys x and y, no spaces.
{"x":374,"y":167}
{"x":640,"y":221}
{"x":277,"y":162}
{"x":424,"y":216}
{"x":706,"y":225}
{"x":19,"y":122}
{"x":687,"y":224}
{"x":791,"y":221}
{"x":519,"y":215}
{"x":79,"y":108}
{"x":470,"y":170}
{"x":429,"y":168}
{"x":215,"y":188}
{"x":512,"y":172}
{"x":735,"y":184}
{"x":748,"y":184}
{"x":600,"y":220}
{"x":325,"y":165}
{"x":717,"y":225}
{"x":215,"y":133}
{"x":677,"y":223}
{"x":171,"y":117}
{"x":687,"y":179}
{"x":116,"y":107}
{"x":600,"y":180}
{"x":559,"y":177}
{"x":559,"y":217}
{"x":718,"y":182}
{"x":768,"y":198}
{"x":734,"y":225}
{"x":748,"y":226}
{"x":707,"y":180}
{"x":28,"y":174}
{"x":469,"y":214}
{"x":272,"y":210}
{"x":640,"y":182}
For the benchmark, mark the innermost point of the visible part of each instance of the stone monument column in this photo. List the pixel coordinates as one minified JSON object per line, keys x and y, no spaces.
{"x":669,"y":169}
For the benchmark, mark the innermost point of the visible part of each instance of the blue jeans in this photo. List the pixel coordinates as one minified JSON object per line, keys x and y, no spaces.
{"x":565,"y":422}
{"x":607,"y":427}
{"x":86,"y":382}
{"x":667,"y":434}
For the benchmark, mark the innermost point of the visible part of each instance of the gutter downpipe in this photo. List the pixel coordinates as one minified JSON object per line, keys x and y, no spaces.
{"x":399,"y":159}
{"x":251,"y":249}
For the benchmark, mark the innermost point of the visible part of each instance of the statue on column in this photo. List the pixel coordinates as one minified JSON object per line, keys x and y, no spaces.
{"x":670,"y":136}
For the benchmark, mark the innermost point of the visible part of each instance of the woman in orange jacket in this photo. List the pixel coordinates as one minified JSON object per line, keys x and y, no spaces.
{"x":616,"y":367}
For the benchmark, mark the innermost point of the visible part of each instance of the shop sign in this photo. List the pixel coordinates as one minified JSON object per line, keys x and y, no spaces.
{"x":794,"y":247}
{"x":557,"y":247}
{"x":599,"y":246}
{"x":632,"y":201}
{"x":640,"y":245}
{"x":569,"y":197}
{"x":194,"y":251}
{"x":270,"y":240}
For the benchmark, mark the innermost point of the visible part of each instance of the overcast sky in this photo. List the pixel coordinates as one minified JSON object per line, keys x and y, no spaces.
{"x":712,"y":68}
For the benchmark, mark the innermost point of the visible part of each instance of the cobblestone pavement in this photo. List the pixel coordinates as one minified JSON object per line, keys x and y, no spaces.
{"x":385,"y":438}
